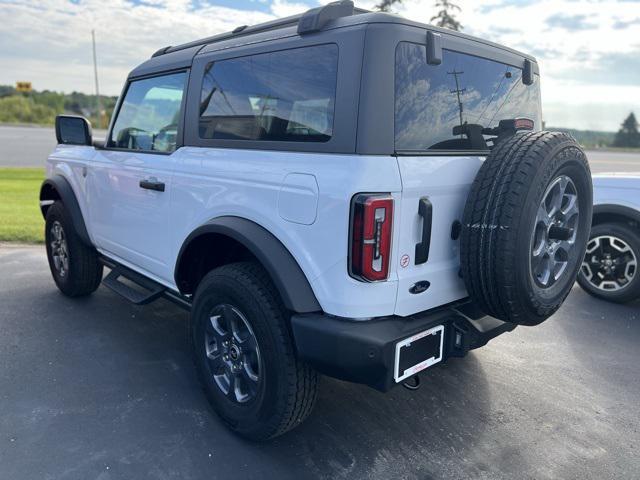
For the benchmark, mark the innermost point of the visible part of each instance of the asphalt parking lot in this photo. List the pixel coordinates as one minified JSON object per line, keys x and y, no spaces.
{"x":100,"y":389}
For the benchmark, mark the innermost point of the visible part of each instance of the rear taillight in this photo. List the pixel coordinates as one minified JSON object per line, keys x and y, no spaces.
{"x":370,"y":236}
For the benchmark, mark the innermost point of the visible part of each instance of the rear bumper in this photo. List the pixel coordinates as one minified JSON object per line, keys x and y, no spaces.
{"x":364,"y":351}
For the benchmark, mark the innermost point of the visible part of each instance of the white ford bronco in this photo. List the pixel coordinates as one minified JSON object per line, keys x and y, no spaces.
{"x":340,"y":192}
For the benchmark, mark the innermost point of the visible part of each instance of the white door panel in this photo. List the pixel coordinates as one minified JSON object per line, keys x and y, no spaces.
{"x":127,"y":220}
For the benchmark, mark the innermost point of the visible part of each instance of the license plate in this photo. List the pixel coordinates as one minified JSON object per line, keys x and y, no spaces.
{"x":418,"y":352}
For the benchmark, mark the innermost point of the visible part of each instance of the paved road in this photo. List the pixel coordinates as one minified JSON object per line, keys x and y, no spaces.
{"x":29,"y":147}
{"x":25,"y":146}
{"x":613,"y":161}
{"x":101,"y":389}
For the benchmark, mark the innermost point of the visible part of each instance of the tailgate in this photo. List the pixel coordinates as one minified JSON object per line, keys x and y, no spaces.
{"x":444,"y":181}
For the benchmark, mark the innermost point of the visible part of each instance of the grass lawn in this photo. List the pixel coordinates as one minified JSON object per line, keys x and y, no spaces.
{"x":20,"y":217}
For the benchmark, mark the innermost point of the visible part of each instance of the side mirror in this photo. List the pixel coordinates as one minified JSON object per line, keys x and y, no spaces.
{"x":73,"y":130}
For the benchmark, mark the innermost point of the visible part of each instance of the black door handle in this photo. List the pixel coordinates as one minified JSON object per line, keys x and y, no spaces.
{"x":425,"y":210}
{"x":152,"y":184}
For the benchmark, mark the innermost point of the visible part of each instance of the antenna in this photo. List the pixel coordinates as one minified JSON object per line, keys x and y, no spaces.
{"x":458,"y":91}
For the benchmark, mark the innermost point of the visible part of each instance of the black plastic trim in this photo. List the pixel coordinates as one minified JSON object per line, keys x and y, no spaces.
{"x":315,"y":19}
{"x":434,"y":48}
{"x":425,"y":210}
{"x":152,"y":185}
{"x":527,"y":72}
{"x":364,"y":351}
{"x":62,"y":186}
{"x":291,"y":282}
{"x":147,"y":283}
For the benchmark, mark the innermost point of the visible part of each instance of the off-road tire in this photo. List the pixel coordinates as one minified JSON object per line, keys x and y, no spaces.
{"x":632,"y":238}
{"x":287,"y":389}
{"x":85,"y":270}
{"x":499,"y":221}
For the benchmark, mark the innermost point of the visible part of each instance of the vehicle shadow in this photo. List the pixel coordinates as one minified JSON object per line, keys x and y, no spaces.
{"x":356,"y":432}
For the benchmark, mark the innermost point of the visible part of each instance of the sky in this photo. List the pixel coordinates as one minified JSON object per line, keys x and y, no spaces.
{"x":588,"y":50}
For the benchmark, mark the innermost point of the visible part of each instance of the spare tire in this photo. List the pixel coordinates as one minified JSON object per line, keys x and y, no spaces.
{"x":526,"y":225}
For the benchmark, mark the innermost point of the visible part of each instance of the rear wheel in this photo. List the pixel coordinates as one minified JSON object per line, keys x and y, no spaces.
{"x":245,"y":355}
{"x":610,"y":267}
{"x":75,"y":267}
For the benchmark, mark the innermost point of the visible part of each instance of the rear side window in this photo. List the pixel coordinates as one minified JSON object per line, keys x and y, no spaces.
{"x":280,"y":96}
{"x":149,"y":115}
{"x":432,"y":100}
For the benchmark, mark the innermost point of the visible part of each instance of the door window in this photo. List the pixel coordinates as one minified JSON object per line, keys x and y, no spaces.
{"x":149,"y":115}
{"x":280,"y":96}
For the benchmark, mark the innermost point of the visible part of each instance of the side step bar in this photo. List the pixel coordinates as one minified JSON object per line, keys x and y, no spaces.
{"x":148,"y":291}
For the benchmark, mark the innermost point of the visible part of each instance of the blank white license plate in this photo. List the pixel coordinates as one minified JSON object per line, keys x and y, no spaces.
{"x":418,"y":352}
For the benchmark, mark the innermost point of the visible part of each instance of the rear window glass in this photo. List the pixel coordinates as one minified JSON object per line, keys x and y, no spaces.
{"x":280,"y":96}
{"x":432,"y":100}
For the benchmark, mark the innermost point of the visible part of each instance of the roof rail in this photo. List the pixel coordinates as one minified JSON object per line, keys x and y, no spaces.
{"x":311,"y":21}
{"x":316,"y":18}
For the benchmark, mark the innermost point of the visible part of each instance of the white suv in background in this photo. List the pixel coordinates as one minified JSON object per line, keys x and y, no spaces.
{"x":342,"y":192}
{"x":610,"y":267}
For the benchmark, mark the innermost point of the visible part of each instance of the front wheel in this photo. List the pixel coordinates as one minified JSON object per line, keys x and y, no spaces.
{"x":75,"y":267}
{"x":610,"y":267}
{"x":245,"y":355}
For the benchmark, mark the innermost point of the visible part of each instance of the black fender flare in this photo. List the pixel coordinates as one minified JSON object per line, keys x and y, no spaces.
{"x":64,"y":191}
{"x":621,"y":210}
{"x":289,"y":279}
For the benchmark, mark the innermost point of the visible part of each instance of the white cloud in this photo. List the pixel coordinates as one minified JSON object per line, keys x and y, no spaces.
{"x":283,"y":8}
{"x":49,"y":42}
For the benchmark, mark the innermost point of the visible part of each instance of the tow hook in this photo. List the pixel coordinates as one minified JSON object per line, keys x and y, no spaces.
{"x":413,"y":383}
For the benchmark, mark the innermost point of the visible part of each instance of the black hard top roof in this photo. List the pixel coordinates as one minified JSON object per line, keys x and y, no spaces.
{"x":337,"y":14}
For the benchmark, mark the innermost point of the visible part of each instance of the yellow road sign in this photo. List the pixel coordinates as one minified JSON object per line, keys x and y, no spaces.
{"x":23,"y":86}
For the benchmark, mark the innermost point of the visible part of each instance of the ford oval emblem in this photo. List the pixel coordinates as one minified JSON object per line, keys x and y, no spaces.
{"x":420,"y":287}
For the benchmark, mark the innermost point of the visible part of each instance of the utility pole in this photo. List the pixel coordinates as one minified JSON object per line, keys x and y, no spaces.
{"x":458,"y":90}
{"x":95,"y":72}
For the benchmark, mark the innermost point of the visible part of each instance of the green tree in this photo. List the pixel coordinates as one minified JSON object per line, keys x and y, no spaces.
{"x":6,"y":90}
{"x":50,"y":99}
{"x":385,"y":5}
{"x":628,"y":135}
{"x":20,"y":109}
{"x":445,"y":17}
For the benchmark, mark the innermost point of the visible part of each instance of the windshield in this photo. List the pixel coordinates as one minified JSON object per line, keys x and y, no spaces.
{"x":436,"y":104}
